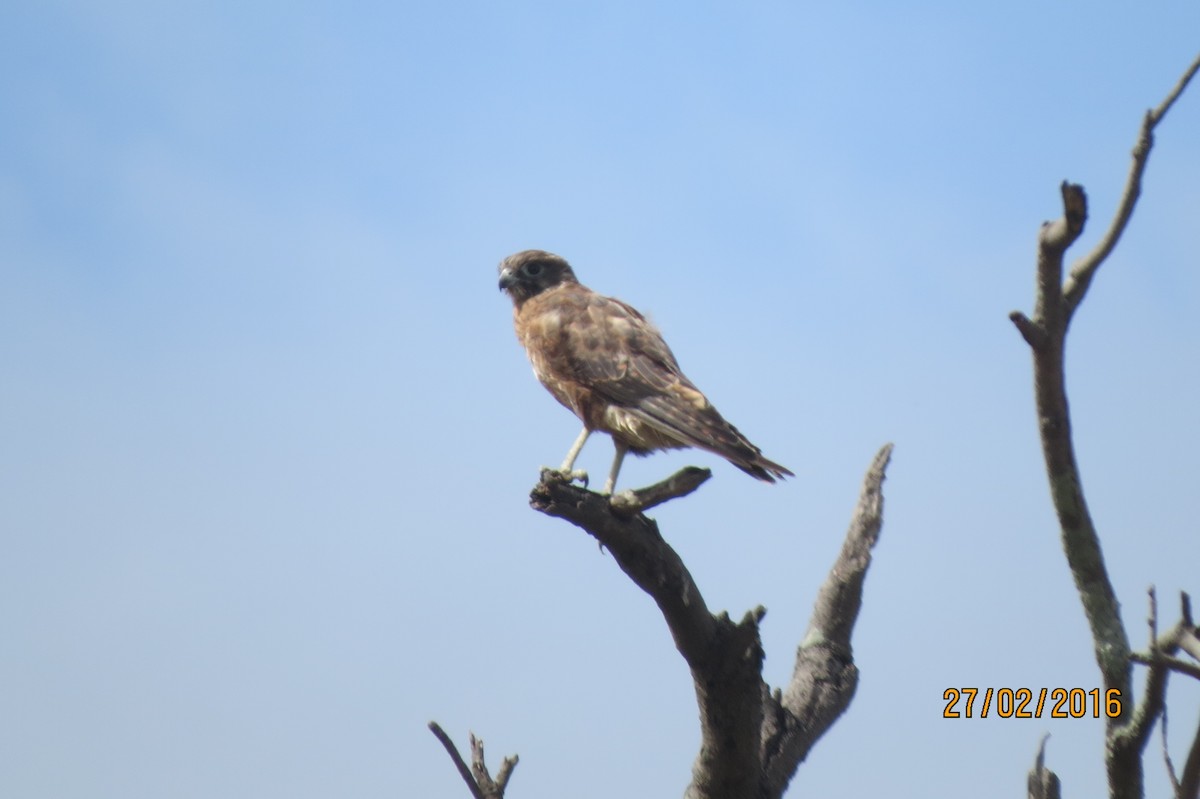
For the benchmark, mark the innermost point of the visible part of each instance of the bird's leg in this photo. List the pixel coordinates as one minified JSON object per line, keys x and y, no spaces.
{"x":572,"y":454}
{"x":616,"y":467}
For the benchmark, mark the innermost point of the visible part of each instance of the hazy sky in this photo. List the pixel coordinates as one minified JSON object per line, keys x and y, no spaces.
{"x":266,"y":437}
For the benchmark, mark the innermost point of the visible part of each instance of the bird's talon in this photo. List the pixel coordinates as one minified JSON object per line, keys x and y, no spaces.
{"x":576,"y":476}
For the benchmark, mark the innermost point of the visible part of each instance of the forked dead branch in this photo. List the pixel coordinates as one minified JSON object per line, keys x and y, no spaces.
{"x":1045,"y":332}
{"x":753,"y":738}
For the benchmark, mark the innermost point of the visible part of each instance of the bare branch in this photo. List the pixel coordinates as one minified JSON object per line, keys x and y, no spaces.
{"x":1161,"y":662}
{"x":1189,"y":781}
{"x":1166,"y":750}
{"x":1053,"y":240}
{"x":1042,"y":783}
{"x":641,"y":552}
{"x":1190,"y":643}
{"x":459,"y":763}
{"x":1163,"y":647}
{"x":752,"y":741}
{"x":680,"y":484}
{"x":491,"y":789}
{"x":1033,"y":333}
{"x":840,"y":597}
{"x":1060,"y":234}
{"x":725,"y":658}
{"x":479,"y":781}
{"x":1152,"y":619}
{"x":1085,"y":268}
{"x":1174,"y":664}
{"x":1154,"y":695}
{"x":1189,"y":634}
{"x":506,"y":769}
{"x":1048,"y":323}
{"x":1080,"y":541}
{"x":1055,"y":304}
{"x":825,"y":678}
{"x":1166,"y":104}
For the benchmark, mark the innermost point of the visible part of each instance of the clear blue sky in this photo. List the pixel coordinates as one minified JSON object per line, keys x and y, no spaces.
{"x":266,"y":436}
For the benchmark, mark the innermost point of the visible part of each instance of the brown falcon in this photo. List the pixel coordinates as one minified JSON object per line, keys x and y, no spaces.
{"x":603,"y":360}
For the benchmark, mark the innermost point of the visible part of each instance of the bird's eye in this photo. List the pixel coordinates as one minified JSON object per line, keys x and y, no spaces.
{"x":533,"y":268}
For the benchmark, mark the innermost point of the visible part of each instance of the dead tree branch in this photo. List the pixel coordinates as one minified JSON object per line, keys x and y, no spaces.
{"x":477,"y":777}
{"x":824,"y":678}
{"x":1042,"y":783}
{"x":1183,"y":667}
{"x":641,"y":553}
{"x":1085,"y":268}
{"x":1166,"y":750}
{"x":1154,"y":695}
{"x":753,"y":739}
{"x":1045,"y":333}
{"x":1189,"y":780}
{"x":1080,"y":541}
{"x":680,"y":484}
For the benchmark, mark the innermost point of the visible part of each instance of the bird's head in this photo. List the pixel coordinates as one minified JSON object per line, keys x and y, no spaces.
{"x":530,"y":272}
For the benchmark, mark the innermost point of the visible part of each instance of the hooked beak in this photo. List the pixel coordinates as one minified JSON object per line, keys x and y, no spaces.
{"x":507,"y":278}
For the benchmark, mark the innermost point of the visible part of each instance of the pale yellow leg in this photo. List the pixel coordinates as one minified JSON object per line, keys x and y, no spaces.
{"x":572,"y":454}
{"x":616,"y":467}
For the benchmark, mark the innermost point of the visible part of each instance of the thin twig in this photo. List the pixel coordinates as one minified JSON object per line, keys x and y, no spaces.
{"x":1189,"y":635}
{"x":1154,"y":696}
{"x":1190,"y":643}
{"x":491,"y":788}
{"x":1085,"y":268}
{"x":1152,"y":620}
{"x":1042,"y":783}
{"x":1172,"y":663}
{"x":463,"y":770}
{"x":1189,"y":781}
{"x":1033,"y":333}
{"x":1166,"y":104}
{"x":680,"y":484}
{"x":1167,"y":755}
{"x":506,"y":769}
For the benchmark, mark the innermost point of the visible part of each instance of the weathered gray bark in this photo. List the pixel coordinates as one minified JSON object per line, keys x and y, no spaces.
{"x":1057,"y":301}
{"x":477,"y":777}
{"x":752,"y":738}
{"x":1042,"y":783}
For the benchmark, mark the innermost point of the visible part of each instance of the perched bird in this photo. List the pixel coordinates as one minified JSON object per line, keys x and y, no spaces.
{"x":603,"y":360}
